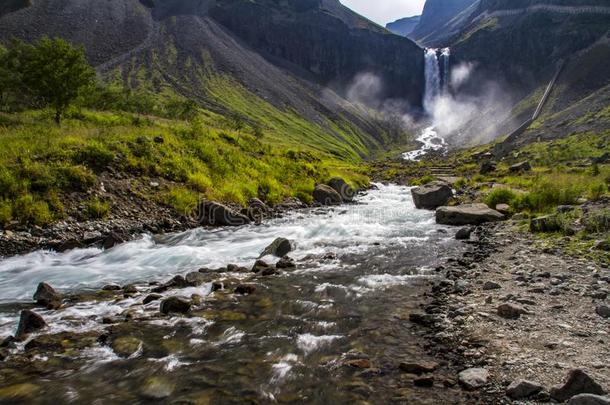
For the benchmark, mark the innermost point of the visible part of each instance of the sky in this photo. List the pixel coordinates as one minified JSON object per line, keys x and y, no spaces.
{"x":385,"y":11}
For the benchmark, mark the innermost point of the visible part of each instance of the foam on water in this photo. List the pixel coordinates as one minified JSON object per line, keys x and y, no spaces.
{"x":309,"y":343}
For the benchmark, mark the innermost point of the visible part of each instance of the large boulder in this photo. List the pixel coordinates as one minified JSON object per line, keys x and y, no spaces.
{"x":46,"y":296}
{"x":29,"y":322}
{"x":340,"y":186}
{"x":279,"y":247}
{"x":520,"y":167}
{"x":175,"y":305}
{"x":577,"y":382}
{"x":589,"y":399}
{"x":215,"y":214}
{"x":432,"y":195}
{"x":326,"y":195}
{"x":467,"y":214}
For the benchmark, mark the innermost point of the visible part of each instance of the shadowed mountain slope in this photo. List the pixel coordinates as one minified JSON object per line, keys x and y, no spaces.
{"x":286,"y":64}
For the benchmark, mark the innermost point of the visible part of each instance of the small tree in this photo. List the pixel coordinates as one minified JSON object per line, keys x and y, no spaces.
{"x":55,"y":72}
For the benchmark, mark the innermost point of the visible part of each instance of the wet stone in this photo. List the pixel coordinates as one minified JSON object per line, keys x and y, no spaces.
{"x":175,"y":305}
{"x":245,"y":289}
{"x":46,"y":296}
{"x":424,"y":382}
{"x":259,"y":266}
{"x":126,"y":346}
{"x":195,"y":278}
{"x":29,"y":322}
{"x":130,"y":289}
{"x":111,"y":287}
{"x":603,"y":311}
{"x":151,"y":297}
{"x":19,"y":392}
{"x":286,"y":262}
{"x":279,"y":247}
{"x":157,"y":388}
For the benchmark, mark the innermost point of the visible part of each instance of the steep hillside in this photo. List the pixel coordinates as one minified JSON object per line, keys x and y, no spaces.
{"x":436,"y":15}
{"x":284,"y":65}
{"x":404,"y":26}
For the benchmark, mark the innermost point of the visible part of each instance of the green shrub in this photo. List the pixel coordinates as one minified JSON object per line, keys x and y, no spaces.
{"x":29,"y":210}
{"x":183,"y":200}
{"x":597,"y":221}
{"x":78,"y":178}
{"x":96,"y":156}
{"x":549,"y":193}
{"x":97,"y":209}
{"x":6,"y":213}
{"x":9,"y":186}
{"x":596,"y":191}
{"x":423,"y":180}
{"x":500,"y":196}
{"x":200,"y":182}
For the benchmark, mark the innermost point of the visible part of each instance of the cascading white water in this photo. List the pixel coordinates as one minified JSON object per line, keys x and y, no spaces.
{"x":446,"y":56}
{"x":434,"y":87}
{"x":433,"y":79}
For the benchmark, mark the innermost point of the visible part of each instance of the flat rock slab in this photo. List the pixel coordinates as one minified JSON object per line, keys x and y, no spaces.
{"x":473,"y":378}
{"x":467,"y":214}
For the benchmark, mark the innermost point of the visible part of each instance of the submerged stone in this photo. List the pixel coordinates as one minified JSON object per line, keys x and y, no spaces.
{"x":29,"y":322}
{"x":46,"y":296}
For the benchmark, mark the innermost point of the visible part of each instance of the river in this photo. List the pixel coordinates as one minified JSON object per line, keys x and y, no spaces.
{"x":361,"y":269}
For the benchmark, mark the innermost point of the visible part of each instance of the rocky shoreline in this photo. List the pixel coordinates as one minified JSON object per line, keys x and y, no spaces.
{"x":521,"y":322}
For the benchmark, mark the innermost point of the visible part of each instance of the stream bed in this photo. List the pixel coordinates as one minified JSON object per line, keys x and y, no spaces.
{"x":333,"y":330}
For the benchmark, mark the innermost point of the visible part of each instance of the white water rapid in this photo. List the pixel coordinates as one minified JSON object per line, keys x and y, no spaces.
{"x":384,"y":216}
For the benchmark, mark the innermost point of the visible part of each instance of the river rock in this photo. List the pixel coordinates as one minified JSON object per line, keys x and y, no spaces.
{"x":113,"y":239}
{"x":603,"y":311}
{"x":432,"y":195}
{"x":195,"y":278}
{"x":340,"y":186}
{"x":419,"y":367}
{"x":463,"y":233}
{"x":151,"y":297}
{"x":126,"y":346}
{"x":326,"y":195}
{"x":473,"y":378}
{"x":130,"y":289}
{"x":175,"y":305}
{"x":259,"y":266}
{"x":46,"y":296}
{"x":245,"y":289}
{"x":215,"y":214}
{"x":29,"y":321}
{"x":467,"y":214}
{"x":425,"y":382}
{"x":286,"y":262}
{"x":280,"y":247}
{"x":157,"y":388}
{"x":520,"y":167}
{"x":510,"y":311}
{"x":111,"y":287}
{"x":577,"y":382}
{"x":520,"y":389}
{"x":589,"y":399}
{"x":503,"y":209}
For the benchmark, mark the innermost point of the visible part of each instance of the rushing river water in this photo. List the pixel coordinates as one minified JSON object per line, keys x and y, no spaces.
{"x":360,"y":271}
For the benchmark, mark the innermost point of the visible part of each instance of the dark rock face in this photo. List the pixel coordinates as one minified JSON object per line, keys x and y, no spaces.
{"x":432,"y":195}
{"x":577,"y":382}
{"x":279,"y":247}
{"x":325,"y":195}
{"x":463,"y":233}
{"x":467,"y":214}
{"x":435,"y":15}
{"x":29,"y":322}
{"x":329,"y":41}
{"x":215,"y":214}
{"x":487,"y":167}
{"x":46,"y":296}
{"x":340,"y":186}
{"x":404,"y":26}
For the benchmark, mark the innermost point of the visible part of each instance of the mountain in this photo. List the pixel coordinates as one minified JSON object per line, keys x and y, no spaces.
{"x":524,"y":43}
{"x":273,"y":61}
{"x":403,"y":26}
{"x":437,"y":19}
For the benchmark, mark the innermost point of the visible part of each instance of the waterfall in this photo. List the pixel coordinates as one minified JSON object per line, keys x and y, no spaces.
{"x":446,"y":55}
{"x":433,"y":79}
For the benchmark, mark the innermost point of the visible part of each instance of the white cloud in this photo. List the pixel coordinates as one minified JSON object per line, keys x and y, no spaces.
{"x":385,"y":11}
